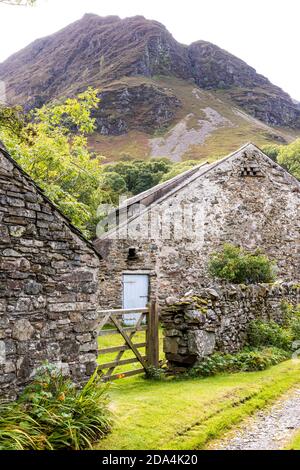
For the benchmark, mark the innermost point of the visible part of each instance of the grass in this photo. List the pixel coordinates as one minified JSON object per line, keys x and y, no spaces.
{"x":110,"y":341}
{"x":295,"y":443}
{"x":222,"y":140}
{"x":188,"y":414}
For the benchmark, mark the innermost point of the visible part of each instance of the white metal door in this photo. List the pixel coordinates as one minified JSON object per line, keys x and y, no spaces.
{"x":135,"y":294}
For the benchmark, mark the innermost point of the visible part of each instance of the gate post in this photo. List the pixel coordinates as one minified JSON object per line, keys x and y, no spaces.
{"x":152,"y":348}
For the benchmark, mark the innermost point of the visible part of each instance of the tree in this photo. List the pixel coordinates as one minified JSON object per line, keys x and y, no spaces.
{"x":113,"y":185}
{"x":178,"y":168}
{"x":272,"y":150}
{"x":11,"y":119}
{"x":52,"y":148}
{"x":289,"y":158}
{"x":140,"y":175}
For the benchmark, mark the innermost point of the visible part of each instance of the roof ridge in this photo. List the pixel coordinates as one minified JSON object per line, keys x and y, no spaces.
{"x":198,"y":167}
{"x":134,"y":199}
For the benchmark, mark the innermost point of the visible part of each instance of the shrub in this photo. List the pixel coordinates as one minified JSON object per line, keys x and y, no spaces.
{"x":269,"y":333}
{"x":261,"y":359}
{"x":155,"y":373}
{"x":246,"y":361}
{"x":292,"y":319}
{"x":295,"y":328}
{"x":241,"y":267}
{"x":53,"y":414}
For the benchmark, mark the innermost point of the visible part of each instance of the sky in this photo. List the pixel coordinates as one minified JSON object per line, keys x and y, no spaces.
{"x":264,"y":33}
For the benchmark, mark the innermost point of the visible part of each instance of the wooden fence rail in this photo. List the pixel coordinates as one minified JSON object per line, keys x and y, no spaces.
{"x":112,"y":317}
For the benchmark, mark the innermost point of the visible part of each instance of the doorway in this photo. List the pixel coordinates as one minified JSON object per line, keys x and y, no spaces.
{"x":135,"y":294}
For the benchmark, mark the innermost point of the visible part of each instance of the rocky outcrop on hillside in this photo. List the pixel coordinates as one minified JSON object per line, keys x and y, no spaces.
{"x":135,"y":104}
{"x":212,"y":67}
{"x":96,"y":51}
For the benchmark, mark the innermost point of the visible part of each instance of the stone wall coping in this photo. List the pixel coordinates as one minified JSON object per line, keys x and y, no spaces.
{"x":233,"y":290}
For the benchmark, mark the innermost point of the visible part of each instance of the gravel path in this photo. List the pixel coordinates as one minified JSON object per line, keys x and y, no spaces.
{"x":270,"y":429}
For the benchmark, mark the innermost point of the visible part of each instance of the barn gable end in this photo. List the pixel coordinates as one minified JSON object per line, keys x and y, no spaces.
{"x":48,"y":285}
{"x":245,"y":199}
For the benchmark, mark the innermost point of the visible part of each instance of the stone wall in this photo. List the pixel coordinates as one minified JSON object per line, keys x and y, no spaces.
{"x":48,"y":286}
{"x":253,"y":212}
{"x":216,"y":319}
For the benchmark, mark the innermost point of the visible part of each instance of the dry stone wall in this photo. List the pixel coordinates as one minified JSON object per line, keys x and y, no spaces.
{"x":216,"y":319}
{"x":48,"y":286}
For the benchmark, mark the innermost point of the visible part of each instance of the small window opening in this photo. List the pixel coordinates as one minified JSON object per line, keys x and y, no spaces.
{"x":132,"y":254}
{"x":250,"y":170}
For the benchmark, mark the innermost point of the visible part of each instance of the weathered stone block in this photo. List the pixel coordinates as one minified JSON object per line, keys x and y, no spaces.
{"x":32,"y":288}
{"x":22,"y":330}
{"x":171,"y":345}
{"x":195,"y":316}
{"x":201,"y":343}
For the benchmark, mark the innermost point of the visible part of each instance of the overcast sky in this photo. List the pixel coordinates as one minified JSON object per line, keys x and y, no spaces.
{"x":264,"y":33}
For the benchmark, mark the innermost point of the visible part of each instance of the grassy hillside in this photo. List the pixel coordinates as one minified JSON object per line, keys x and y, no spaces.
{"x":208,"y":125}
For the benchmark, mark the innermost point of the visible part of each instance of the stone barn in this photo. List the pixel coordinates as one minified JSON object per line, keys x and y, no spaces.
{"x":48,"y":285}
{"x":163,"y":238}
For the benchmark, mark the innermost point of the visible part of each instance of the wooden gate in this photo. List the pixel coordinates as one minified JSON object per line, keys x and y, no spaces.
{"x":147,"y":320}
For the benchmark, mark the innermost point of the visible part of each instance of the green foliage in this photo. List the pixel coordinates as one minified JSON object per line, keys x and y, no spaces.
{"x":269,"y":333}
{"x":139,"y":175}
{"x":292,"y":320}
{"x":53,"y":150}
{"x":178,"y":168}
{"x":112,"y":187}
{"x":269,"y":344}
{"x":272,"y":150}
{"x":130,"y":176}
{"x":244,"y":361}
{"x":262,"y":333}
{"x":11,"y":119}
{"x":295,"y":327}
{"x":53,"y":414}
{"x":241,"y":267}
{"x":295,"y":442}
{"x":289,"y":157}
{"x":155,"y":373}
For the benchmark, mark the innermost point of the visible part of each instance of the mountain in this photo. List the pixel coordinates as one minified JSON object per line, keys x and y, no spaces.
{"x":158,"y":97}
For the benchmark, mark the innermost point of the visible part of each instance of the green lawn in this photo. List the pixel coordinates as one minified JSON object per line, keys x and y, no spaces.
{"x":109,"y":341}
{"x":295,"y":444}
{"x":187,"y":414}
